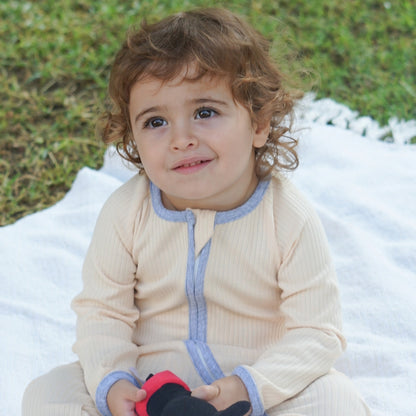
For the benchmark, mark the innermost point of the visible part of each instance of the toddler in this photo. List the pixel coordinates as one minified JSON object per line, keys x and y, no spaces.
{"x":208,"y":262}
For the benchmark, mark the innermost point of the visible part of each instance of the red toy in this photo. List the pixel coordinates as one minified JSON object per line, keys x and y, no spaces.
{"x":168,"y":395}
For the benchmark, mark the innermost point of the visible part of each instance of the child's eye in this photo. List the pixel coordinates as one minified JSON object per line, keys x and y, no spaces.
{"x":155,"y":122}
{"x":205,"y":113}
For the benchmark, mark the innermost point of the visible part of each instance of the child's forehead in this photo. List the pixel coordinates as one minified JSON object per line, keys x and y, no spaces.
{"x":187,"y":72}
{"x":181,"y":91}
{"x":192,"y":78}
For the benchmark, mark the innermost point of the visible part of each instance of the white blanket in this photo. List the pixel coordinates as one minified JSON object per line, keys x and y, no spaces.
{"x":365,"y":194}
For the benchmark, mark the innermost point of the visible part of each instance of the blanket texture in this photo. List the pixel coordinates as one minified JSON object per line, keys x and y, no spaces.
{"x":365,"y":194}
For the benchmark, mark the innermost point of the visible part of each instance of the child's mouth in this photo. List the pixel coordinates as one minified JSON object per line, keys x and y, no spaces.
{"x":191,"y":167}
{"x":188,"y":165}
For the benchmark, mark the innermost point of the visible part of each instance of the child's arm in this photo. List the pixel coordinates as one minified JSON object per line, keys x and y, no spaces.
{"x":106,"y":310}
{"x":311,"y":309}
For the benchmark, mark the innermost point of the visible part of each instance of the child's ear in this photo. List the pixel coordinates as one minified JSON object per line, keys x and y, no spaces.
{"x":261,"y":133}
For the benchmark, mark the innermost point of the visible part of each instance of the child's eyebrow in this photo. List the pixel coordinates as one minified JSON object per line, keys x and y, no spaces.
{"x":209,"y":101}
{"x":147,"y":110}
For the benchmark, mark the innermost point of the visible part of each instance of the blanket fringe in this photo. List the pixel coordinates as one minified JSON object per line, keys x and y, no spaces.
{"x":329,"y":112}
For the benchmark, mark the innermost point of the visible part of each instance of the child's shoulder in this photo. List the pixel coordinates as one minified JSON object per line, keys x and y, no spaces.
{"x":127,"y":200}
{"x":289,"y":200}
{"x":137,"y":186}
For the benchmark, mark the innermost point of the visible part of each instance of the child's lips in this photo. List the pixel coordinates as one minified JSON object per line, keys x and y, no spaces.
{"x":191,"y":165}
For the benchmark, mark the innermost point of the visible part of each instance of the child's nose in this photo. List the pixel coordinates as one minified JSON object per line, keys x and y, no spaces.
{"x":182,"y":137}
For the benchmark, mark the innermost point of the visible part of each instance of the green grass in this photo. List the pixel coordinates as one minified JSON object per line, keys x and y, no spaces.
{"x":56,"y":56}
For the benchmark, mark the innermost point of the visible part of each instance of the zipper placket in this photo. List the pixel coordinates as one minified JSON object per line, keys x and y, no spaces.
{"x":197,"y":325}
{"x":197,"y":342}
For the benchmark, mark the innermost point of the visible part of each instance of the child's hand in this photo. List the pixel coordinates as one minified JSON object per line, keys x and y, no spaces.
{"x":122,"y":398}
{"x":223,"y":393}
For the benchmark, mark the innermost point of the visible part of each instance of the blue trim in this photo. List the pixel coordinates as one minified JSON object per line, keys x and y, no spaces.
{"x":104,"y":387}
{"x":199,"y":279}
{"x":255,"y":400}
{"x":210,"y":361}
{"x":189,"y":283}
{"x":201,"y":355}
{"x":221,"y":217}
{"x":204,"y":361}
{"x":161,"y":211}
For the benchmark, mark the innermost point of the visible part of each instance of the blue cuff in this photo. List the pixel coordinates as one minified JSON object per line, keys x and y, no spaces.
{"x":257,"y":408}
{"x":104,"y":387}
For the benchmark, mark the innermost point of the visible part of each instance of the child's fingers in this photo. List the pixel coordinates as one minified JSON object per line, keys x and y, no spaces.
{"x":131,"y":392}
{"x":127,"y":391}
{"x":207,"y":393}
{"x":140,"y":395}
{"x":122,"y":397}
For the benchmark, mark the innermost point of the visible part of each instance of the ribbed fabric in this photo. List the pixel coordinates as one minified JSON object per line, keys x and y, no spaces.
{"x":62,"y":392}
{"x":270,"y":301}
{"x":330,"y":395}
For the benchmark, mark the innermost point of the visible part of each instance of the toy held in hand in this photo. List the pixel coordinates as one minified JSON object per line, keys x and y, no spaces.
{"x":168,"y":395}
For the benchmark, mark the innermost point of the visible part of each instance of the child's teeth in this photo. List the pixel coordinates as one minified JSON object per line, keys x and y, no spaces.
{"x":188,"y":165}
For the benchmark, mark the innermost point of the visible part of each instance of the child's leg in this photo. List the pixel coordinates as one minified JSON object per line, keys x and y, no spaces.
{"x":332,"y":394}
{"x":61,"y":392}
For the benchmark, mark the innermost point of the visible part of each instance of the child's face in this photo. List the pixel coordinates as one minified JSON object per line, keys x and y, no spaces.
{"x":195,"y":142}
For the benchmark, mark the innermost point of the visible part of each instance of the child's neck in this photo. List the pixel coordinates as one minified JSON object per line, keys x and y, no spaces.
{"x":218,"y":204}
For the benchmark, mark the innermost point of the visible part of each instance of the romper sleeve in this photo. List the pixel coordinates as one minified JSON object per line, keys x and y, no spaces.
{"x":310,"y":306}
{"x":105,"y":309}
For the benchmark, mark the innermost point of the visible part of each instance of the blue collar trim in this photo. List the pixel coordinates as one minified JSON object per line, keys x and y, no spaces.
{"x":221,"y":217}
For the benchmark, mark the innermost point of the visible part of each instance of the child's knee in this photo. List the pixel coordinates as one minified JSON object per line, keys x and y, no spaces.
{"x":329,"y":395}
{"x":337,"y":395}
{"x":33,"y":396}
{"x":61,"y":391}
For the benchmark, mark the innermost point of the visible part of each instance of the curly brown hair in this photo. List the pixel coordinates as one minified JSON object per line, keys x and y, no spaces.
{"x":217,"y":43}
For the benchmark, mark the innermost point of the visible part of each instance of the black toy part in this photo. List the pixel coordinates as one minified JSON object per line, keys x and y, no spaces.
{"x":168,"y":395}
